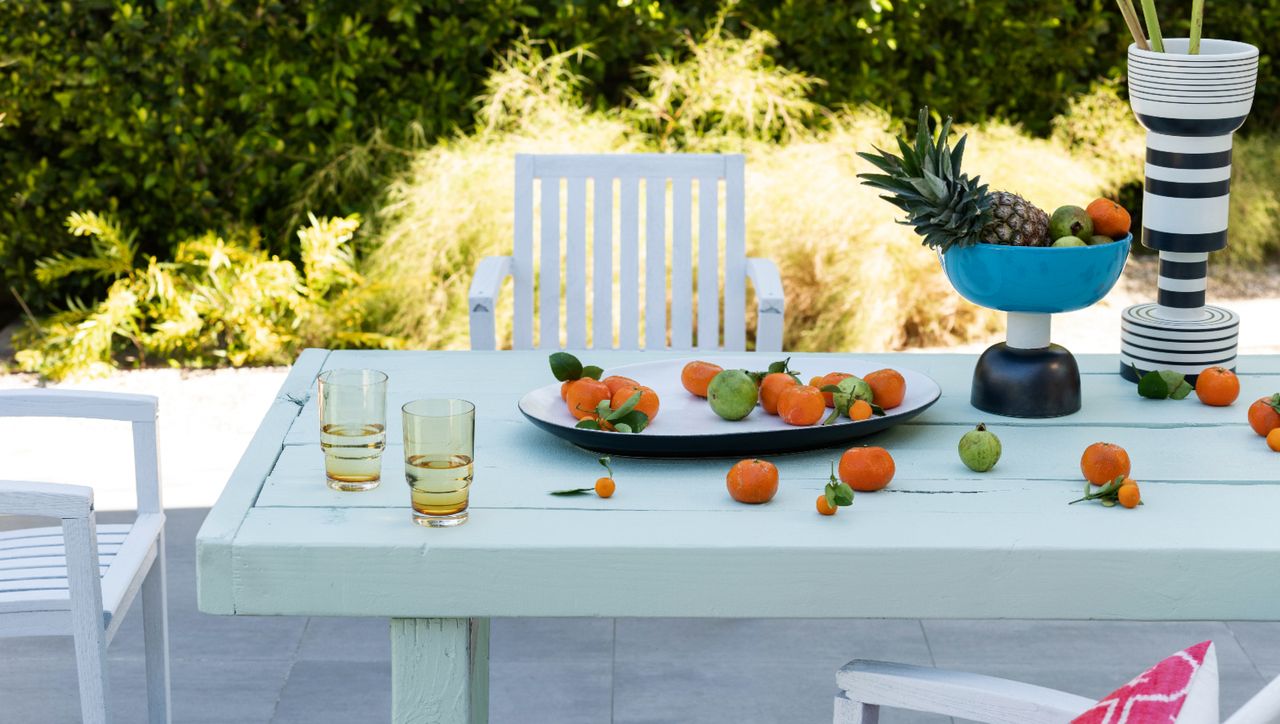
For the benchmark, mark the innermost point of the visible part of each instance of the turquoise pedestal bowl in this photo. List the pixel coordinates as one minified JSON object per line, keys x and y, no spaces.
{"x":1027,"y":376}
{"x":1036,"y":280}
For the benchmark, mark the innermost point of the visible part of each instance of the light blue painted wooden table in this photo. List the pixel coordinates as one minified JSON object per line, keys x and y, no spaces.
{"x":941,"y":542}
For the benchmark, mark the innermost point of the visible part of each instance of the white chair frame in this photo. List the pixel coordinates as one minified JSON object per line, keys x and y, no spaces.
{"x":866,"y":686}
{"x":656,"y":171}
{"x":80,"y":580}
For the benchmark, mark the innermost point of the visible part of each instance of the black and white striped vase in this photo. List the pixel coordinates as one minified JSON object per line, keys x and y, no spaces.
{"x":1190,"y":105}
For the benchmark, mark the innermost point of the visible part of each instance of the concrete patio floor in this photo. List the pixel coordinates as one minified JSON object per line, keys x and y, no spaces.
{"x":286,"y":670}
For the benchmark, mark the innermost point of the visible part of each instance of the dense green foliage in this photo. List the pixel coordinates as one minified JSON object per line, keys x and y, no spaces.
{"x":186,"y":115}
{"x":218,"y":301}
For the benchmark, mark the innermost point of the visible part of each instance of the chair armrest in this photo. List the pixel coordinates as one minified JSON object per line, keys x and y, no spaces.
{"x":771,"y":303}
{"x":956,"y":694}
{"x":482,"y":298}
{"x":49,"y":500}
{"x":78,"y":403}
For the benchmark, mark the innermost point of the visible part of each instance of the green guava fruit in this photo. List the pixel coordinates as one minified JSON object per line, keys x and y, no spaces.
{"x":1069,"y":241}
{"x":1099,"y":239}
{"x":980,"y":449}
{"x":733,"y":394}
{"x":1070,"y":221}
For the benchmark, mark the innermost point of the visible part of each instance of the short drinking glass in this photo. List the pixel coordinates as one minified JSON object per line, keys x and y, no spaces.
{"x":439,"y":445}
{"x":353,"y":427}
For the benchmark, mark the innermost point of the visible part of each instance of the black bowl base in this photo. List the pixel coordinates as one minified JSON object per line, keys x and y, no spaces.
{"x":1028,"y":383}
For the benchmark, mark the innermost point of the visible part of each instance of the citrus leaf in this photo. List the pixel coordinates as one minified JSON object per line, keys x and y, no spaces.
{"x":1109,"y":502}
{"x":622,"y":427}
{"x":604,"y":410}
{"x":1153,"y":386}
{"x":779,"y":366}
{"x":839,"y":494}
{"x":830,"y":388}
{"x":877,"y":410}
{"x":1181,"y":391}
{"x":835,"y":415}
{"x":1274,"y":402}
{"x":587,"y":424}
{"x":635,"y":421}
{"x":592,"y":371}
{"x":1172,"y":379}
{"x":565,"y":366}
{"x":625,"y":409}
{"x":573,"y":491}
{"x":604,"y":462}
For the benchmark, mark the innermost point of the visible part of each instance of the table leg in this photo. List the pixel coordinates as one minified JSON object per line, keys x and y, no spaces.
{"x":439,"y":670}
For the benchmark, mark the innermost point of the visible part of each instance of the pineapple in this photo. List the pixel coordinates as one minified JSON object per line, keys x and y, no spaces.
{"x":945,"y":206}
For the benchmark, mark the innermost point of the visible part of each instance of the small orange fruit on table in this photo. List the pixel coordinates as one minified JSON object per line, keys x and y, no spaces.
{"x":771,"y":387}
{"x":866,"y":469}
{"x":752,"y":481}
{"x":1273,"y":439}
{"x":887,"y":388}
{"x":584,"y":395}
{"x":1103,"y":462}
{"x":824,"y":507}
{"x":1217,"y":386}
{"x":697,"y":375}
{"x":801,"y":405}
{"x":1264,"y":414}
{"x":648,"y":403}
{"x":1128,"y":495}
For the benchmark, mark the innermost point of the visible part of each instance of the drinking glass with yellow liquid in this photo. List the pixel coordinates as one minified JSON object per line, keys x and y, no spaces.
{"x":353,"y":427}
{"x":439,"y":445}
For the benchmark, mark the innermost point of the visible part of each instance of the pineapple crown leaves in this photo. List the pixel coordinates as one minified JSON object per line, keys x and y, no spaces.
{"x":945,"y":206}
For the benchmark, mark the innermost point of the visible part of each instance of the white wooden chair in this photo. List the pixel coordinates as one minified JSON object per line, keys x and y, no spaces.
{"x":631,"y":171}
{"x":79,"y":579}
{"x":866,"y":686}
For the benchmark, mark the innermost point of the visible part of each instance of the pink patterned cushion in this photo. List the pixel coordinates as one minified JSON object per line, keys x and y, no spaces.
{"x":1182,"y":689}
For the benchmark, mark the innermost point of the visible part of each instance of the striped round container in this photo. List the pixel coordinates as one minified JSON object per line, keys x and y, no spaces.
{"x":1190,"y":105}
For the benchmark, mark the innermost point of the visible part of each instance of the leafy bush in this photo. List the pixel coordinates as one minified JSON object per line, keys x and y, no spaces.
{"x":219,"y":301}
{"x":186,"y":115}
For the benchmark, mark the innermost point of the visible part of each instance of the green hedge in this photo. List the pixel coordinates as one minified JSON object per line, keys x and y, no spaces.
{"x":186,"y":115}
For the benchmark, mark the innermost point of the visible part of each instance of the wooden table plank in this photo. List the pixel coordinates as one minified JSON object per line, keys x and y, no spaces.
{"x":1017,"y":553}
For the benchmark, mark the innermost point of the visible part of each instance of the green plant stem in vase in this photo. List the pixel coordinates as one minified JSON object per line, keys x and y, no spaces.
{"x":1197,"y":26}
{"x":1153,"y":25}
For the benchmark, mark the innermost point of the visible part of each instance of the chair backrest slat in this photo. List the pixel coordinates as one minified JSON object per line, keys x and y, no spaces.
{"x":681,"y":263}
{"x":629,"y":266}
{"x":575,"y":264}
{"x":735,"y":255}
{"x":522,"y":261}
{"x":655,"y":263}
{"x":602,"y":258}
{"x":679,"y":234}
{"x":549,"y":266}
{"x":708,"y":256}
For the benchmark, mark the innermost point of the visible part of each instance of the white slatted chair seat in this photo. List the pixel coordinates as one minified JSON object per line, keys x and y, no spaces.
{"x":685,"y":186}
{"x":33,"y":572}
{"x":79,"y":579}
